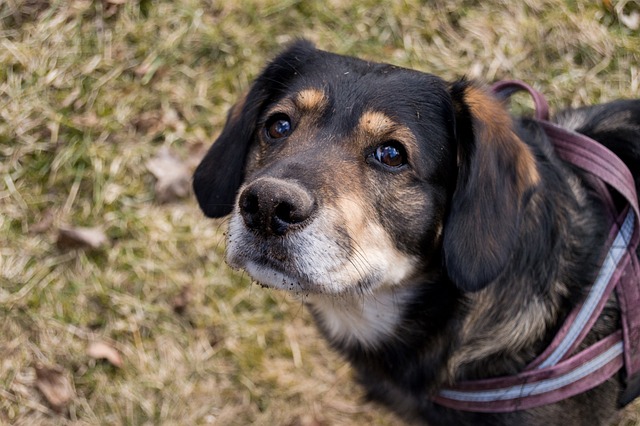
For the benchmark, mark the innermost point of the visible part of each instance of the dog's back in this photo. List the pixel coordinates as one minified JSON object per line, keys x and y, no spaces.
{"x":615,"y":125}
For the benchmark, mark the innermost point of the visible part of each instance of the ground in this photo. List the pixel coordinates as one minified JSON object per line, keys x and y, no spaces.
{"x":105,"y":107}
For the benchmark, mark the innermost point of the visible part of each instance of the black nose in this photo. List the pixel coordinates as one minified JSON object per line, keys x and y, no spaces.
{"x":274,"y":206}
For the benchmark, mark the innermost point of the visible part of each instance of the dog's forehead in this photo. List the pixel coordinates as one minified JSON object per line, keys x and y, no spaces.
{"x":370,"y":93}
{"x":361,"y":119}
{"x":369,"y":118}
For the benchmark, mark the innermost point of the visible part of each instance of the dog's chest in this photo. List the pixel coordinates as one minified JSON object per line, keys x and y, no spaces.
{"x":367,"y":320}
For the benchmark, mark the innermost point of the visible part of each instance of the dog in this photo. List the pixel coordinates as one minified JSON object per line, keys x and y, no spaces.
{"x":433,"y":237}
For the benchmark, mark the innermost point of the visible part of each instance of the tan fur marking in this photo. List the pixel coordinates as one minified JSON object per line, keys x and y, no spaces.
{"x":498,"y":129}
{"x":378,"y":125}
{"x":481,"y":336}
{"x":375,"y":122}
{"x":527,"y":171}
{"x":350,"y":205}
{"x":487,"y":110}
{"x":311,"y":99}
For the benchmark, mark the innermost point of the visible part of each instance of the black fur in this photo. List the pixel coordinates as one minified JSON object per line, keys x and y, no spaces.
{"x":507,"y":234}
{"x":475,"y":254}
{"x":221,"y":172}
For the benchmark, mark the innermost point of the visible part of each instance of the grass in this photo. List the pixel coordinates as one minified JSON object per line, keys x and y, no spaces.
{"x":91,"y":91}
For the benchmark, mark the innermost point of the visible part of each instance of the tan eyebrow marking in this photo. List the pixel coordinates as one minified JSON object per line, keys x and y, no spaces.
{"x":375,"y":122}
{"x":311,"y":99}
{"x":497,"y":125}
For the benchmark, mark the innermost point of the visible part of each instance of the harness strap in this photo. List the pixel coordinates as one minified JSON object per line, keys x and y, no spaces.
{"x":504,"y":89}
{"x":532,"y":389}
{"x":599,"y":161}
{"x":594,"y":158}
{"x":579,"y":322}
{"x":628,"y":293}
{"x":553,"y":376}
{"x":556,"y":374}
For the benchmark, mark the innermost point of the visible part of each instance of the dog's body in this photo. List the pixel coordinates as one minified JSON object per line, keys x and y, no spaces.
{"x":433,"y":238}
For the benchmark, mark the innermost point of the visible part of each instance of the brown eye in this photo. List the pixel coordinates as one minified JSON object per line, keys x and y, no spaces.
{"x":278,"y":127}
{"x":391,"y":154}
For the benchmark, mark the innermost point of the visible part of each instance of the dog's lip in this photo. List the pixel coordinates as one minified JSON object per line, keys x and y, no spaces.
{"x":274,"y":275}
{"x":270,"y":273}
{"x":274,"y":262}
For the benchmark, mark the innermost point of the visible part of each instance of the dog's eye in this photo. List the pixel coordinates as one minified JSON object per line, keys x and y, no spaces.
{"x":279,"y":126}
{"x":391,"y":154}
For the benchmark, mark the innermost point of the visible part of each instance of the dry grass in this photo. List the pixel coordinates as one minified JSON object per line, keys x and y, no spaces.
{"x":90,"y":91}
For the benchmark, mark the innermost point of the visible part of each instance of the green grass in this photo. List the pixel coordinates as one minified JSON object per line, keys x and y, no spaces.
{"x":91,"y":91}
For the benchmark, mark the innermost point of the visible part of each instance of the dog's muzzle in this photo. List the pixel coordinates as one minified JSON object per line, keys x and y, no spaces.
{"x":273,"y":206}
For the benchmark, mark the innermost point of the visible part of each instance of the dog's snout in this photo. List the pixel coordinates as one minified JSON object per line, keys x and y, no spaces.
{"x":273,"y":206}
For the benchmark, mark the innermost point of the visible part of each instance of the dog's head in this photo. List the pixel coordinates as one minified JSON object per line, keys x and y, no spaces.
{"x":343,"y":175}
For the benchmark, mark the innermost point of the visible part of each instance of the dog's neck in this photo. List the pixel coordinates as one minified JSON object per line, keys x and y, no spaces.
{"x":501,"y":332}
{"x":366,"y":320}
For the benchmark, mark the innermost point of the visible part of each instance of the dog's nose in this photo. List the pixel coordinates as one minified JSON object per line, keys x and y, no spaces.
{"x":273,"y":206}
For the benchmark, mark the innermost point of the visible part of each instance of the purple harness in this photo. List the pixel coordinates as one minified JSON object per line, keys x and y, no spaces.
{"x":559,"y":373}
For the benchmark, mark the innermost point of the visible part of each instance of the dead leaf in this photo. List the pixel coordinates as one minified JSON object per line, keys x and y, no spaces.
{"x":83,"y":238}
{"x":142,"y":69}
{"x":215,"y":336}
{"x":44,"y":224}
{"x":89,"y":120}
{"x":181,"y":301}
{"x":197,"y":151}
{"x":306,"y":420}
{"x":111,"y":7}
{"x":171,"y":119}
{"x":102,"y":350}
{"x":631,"y":21}
{"x":173,"y":177}
{"x":56,"y":387}
{"x":628,"y":16}
{"x":149,"y":122}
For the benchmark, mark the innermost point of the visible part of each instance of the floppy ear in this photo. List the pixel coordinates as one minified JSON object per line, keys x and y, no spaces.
{"x":221,"y":172}
{"x":496,"y":175}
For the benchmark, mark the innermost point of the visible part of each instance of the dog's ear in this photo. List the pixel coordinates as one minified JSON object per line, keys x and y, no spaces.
{"x":221,"y":172}
{"x":497,"y":173}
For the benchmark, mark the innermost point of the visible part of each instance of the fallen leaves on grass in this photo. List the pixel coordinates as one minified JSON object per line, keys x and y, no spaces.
{"x":197,"y":151}
{"x":306,"y":420}
{"x":70,"y":237}
{"x":181,"y":301}
{"x":148,"y":121}
{"x":631,"y":21}
{"x":627,"y":11}
{"x":44,"y":224}
{"x":102,"y":350}
{"x":173,"y":176}
{"x":55,"y":386}
{"x":88,"y":121}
